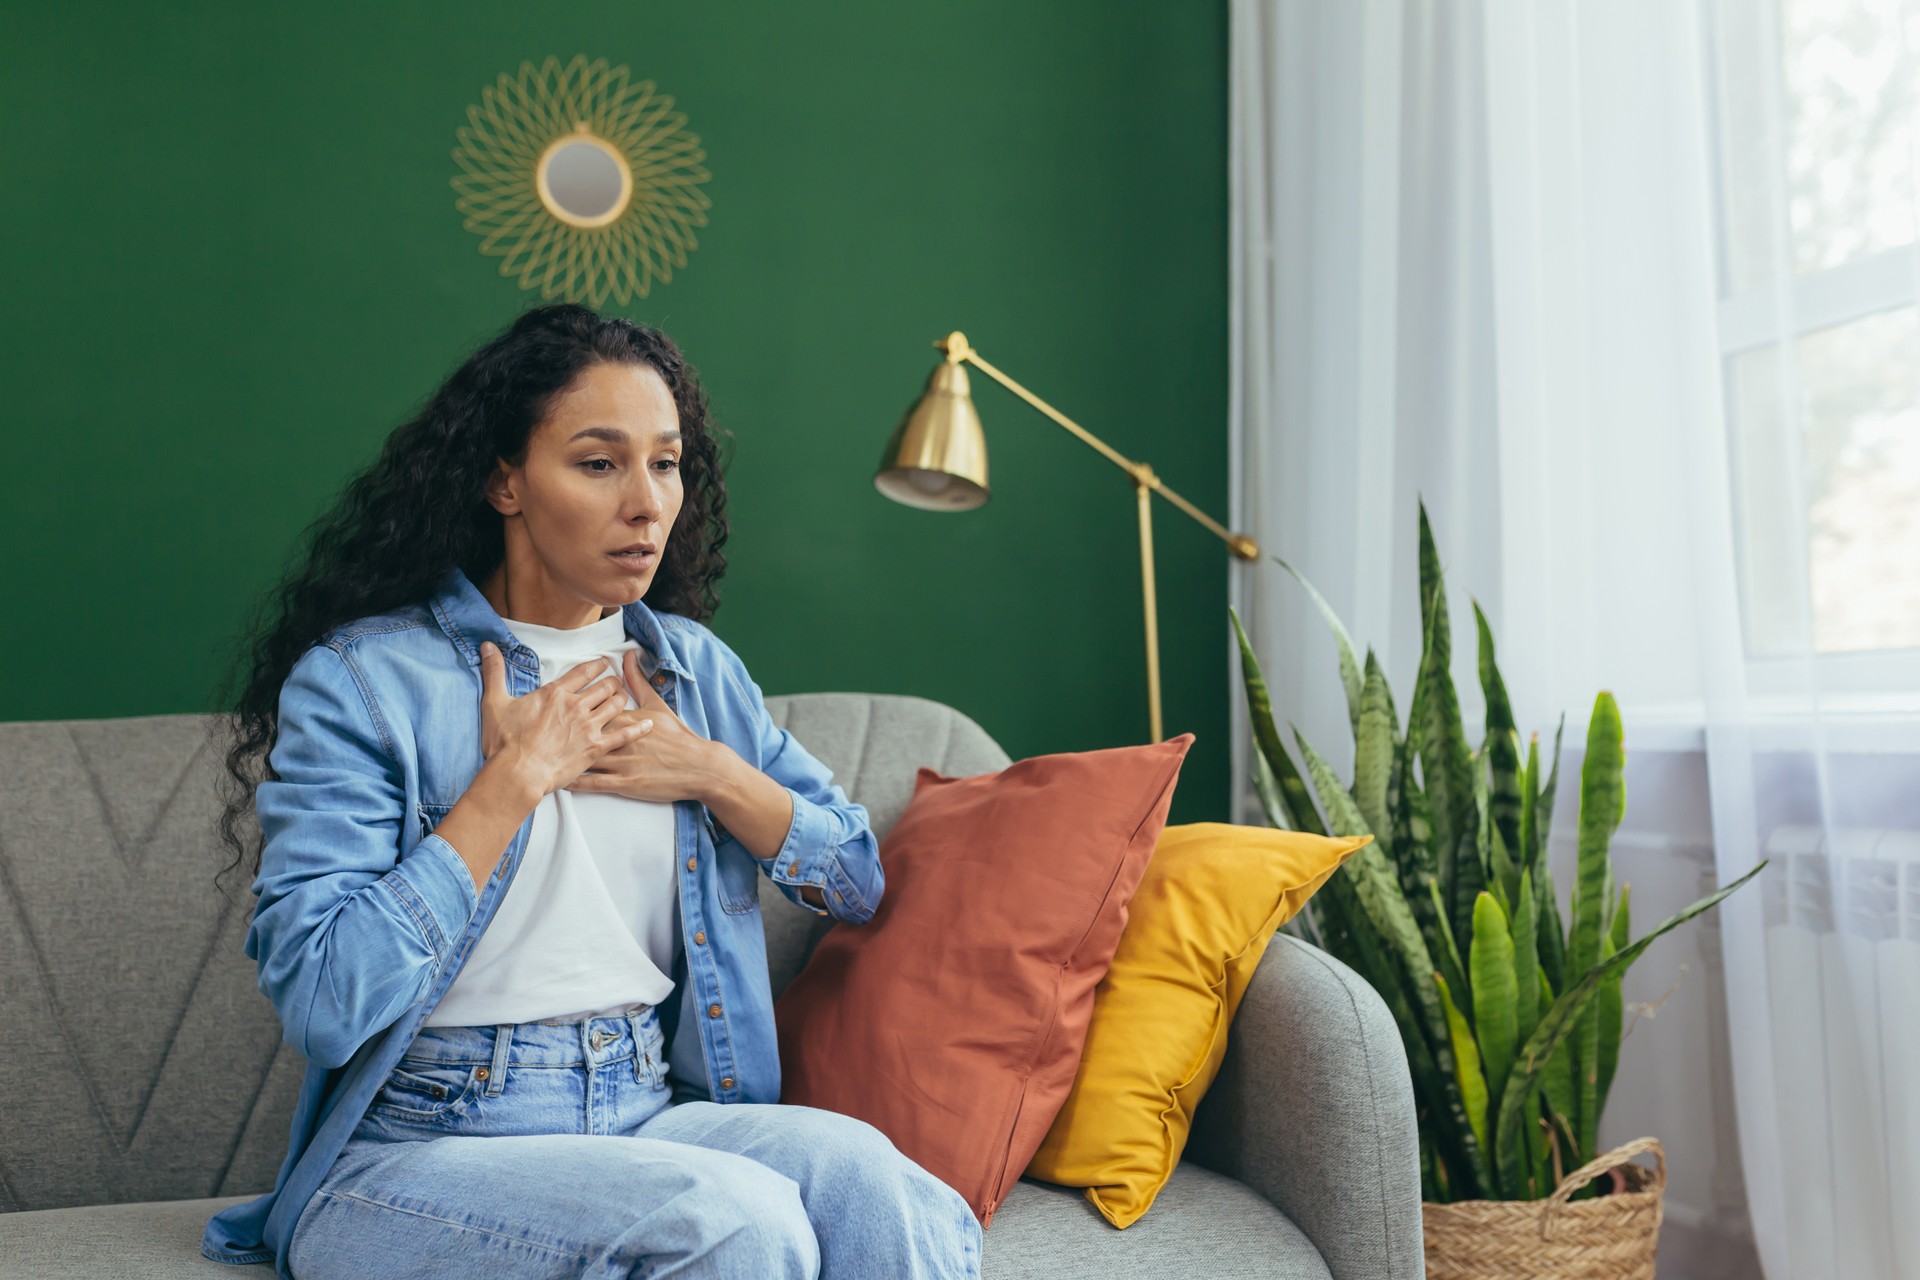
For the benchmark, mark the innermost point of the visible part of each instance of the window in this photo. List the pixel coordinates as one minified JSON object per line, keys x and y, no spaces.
{"x":1819,"y":335}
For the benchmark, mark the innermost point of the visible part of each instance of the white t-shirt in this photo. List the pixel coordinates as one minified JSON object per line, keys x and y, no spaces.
{"x":588,"y":925}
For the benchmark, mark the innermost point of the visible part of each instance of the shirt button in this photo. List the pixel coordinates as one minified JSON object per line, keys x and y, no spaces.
{"x":726,"y":1082}
{"x":713,"y":1011}
{"x":659,"y":680}
{"x":701,"y":937}
{"x":793,"y":868}
{"x":692,"y":863}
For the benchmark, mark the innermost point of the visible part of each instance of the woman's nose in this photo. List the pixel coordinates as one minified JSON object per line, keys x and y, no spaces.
{"x":643,"y":503}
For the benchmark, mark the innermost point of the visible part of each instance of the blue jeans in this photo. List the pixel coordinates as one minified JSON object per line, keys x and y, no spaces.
{"x":555,"y":1149}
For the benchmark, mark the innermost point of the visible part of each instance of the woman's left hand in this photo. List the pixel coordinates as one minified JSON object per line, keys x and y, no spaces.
{"x":666,"y":763}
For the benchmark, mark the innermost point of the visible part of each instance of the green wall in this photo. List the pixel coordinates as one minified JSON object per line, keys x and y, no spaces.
{"x":234,"y":265}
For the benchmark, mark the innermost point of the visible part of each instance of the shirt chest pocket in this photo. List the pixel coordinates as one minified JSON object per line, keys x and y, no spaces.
{"x":429,"y":816}
{"x":739,"y":873}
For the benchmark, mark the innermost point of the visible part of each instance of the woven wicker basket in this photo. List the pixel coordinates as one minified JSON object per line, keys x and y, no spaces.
{"x":1609,"y":1237}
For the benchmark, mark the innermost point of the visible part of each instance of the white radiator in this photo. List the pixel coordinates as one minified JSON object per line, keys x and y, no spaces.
{"x":1843,"y":960}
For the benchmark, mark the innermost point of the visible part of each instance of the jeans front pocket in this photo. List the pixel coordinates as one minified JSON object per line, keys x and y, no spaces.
{"x":423,"y":1092}
{"x":654,"y":1044}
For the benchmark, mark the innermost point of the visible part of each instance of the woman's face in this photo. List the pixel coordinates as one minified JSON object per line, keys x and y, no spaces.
{"x":602,"y":474}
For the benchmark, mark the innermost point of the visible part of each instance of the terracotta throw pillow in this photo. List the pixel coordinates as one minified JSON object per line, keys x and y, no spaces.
{"x":953,"y":1020}
{"x":1201,"y":918}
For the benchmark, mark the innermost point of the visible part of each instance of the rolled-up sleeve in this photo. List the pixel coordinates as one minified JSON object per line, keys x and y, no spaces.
{"x":347,"y":934}
{"x":830,"y":842}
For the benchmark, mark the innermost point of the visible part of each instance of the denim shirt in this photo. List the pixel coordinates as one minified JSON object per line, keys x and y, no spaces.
{"x":365,"y":916}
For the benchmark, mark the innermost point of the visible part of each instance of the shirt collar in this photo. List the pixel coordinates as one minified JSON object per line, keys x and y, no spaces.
{"x":468,"y":618}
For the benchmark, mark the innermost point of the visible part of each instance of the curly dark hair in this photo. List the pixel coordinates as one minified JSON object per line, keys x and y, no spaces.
{"x":420,"y":508}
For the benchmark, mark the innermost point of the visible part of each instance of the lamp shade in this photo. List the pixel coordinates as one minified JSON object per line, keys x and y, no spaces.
{"x":937,"y":456}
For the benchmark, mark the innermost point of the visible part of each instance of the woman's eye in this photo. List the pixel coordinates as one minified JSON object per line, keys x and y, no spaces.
{"x":673,"y":463}
{"x":590,"y":463}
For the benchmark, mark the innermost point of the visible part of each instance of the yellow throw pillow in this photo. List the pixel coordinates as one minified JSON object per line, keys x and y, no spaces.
{"x":1209,"y":903}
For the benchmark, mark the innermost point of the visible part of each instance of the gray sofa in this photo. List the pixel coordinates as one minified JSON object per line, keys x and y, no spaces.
{"x":145,"y":1084}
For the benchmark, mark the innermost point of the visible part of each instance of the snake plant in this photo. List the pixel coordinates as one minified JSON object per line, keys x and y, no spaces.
{"x":1511,"y":1013}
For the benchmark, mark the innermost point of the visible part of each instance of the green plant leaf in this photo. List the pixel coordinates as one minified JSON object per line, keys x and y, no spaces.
{"x":1503,"y":878}
{"x":1376,"y":730}
{"x":1526,"y":962}
{"x":1622,"y":919}
{"x":1332,"y":913}
{"x":1585,"y":1044}
{"x":1545,"y":805}
{"x":1557,"y":1096}
{"x":1503,"y":741}
{"x":1378,"y":890}
{"x":1451,"y":967}
{"x":1516,"y":1154}
{"x":1536,"y":1186}
{"x":1611,"y":1003}
{"x":1469,"y":876}
{"x":1529,"y":854}
{"x":1553,"y":931}
{"x":1602,"y":804}
{"x":1558,"y":1023}
{"x":1296,"y":803}
{"x":1446,"y":762}
{"x":1552,"y":935}
{"x":1413,"y":844}
{"x":1466,"y":1057}
{"x":1495,"y":1013}
{"x":1484,"y":832}
{"x":1349,"y":665}
{"x":1267,"y":787}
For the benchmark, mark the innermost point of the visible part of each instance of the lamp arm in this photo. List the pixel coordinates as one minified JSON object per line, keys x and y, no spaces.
{"x":1242,"y":546}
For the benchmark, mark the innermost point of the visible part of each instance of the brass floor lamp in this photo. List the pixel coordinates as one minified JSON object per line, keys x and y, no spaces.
{"x":937,"y":460}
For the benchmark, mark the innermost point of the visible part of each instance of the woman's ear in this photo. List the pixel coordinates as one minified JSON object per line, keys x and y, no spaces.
{"x":502,"y":488}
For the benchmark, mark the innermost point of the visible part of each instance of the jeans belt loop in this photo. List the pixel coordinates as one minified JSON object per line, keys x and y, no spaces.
{"x":640,"y":1055}
{"x":497,"y":1073}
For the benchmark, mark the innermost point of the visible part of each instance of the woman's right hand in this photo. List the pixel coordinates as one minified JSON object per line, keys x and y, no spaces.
{"x":561,"y":729}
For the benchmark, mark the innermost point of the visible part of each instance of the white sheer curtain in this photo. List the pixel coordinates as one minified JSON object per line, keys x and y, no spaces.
{"x":1627,"y":292}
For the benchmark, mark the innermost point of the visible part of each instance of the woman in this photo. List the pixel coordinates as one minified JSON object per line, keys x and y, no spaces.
{"x":512,"y":821}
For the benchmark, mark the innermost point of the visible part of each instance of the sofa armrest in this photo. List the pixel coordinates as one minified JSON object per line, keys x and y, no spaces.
{"x":1313,"y":1108}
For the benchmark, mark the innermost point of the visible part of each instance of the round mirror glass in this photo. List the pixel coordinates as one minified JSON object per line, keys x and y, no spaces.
{"x":584,"y":181}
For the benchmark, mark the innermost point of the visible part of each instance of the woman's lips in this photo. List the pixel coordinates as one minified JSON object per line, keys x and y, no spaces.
{"x":634,"y":561}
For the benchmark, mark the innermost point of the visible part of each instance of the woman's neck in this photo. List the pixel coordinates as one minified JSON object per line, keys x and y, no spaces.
{"x":531,"y":597}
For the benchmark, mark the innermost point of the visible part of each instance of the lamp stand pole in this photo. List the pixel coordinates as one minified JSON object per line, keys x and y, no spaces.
{"x":1145,"y":490}
{"x":1146,"y":484}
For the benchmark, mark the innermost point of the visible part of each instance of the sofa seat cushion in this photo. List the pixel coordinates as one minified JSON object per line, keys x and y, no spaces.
{"x":1202,"y":1225}
{"x":154,"y":1239}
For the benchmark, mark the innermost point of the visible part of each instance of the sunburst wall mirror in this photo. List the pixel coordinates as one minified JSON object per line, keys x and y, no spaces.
{"x":583,"y":183}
